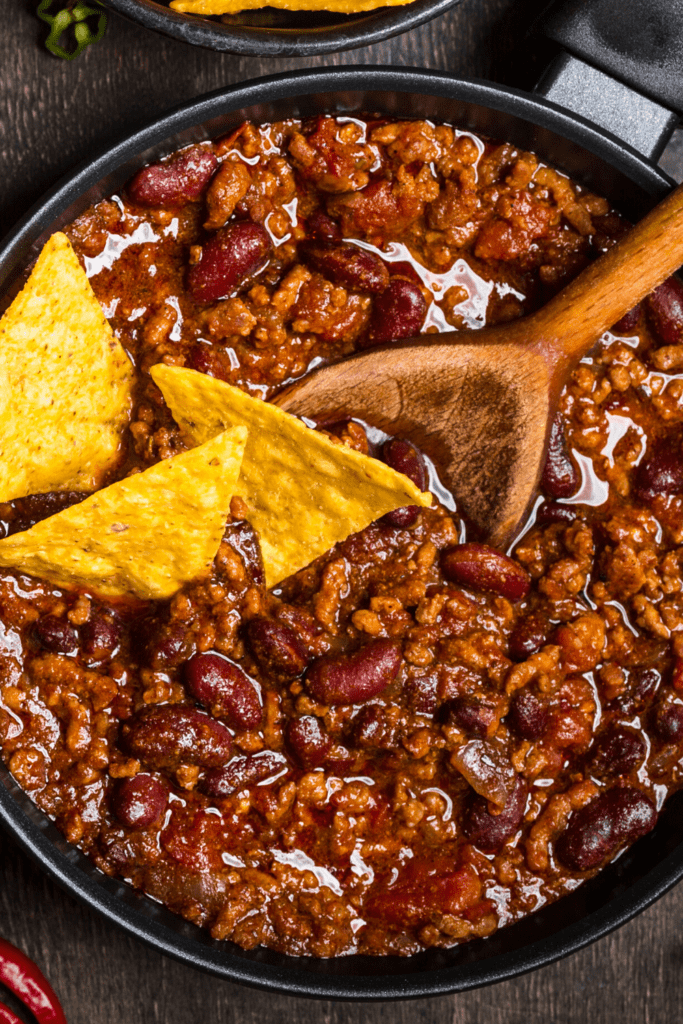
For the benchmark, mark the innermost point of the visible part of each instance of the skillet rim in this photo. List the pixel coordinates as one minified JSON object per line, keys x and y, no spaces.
{"x":116,"y":900}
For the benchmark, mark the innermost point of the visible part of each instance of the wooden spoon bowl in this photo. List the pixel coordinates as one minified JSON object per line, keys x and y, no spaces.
{"x":480,"y":404}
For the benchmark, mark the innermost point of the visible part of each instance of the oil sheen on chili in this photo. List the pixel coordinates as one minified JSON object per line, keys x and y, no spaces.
{"x":416,"y":739}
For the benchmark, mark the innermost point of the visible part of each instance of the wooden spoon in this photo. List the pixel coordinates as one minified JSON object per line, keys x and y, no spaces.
{"x":480,"y":404}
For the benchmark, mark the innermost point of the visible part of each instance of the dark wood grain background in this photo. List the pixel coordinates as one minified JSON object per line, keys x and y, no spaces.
{"x":52,"y":115}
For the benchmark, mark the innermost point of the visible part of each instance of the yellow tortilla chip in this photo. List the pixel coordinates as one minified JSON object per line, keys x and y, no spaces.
{"x":65,"y":382}
{"x":234,"y":6}
{"x":304,"y":492}
{"x":144,"y":536}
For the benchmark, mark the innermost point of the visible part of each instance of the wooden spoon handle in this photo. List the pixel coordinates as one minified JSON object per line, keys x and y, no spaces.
{"x":649,"y":253}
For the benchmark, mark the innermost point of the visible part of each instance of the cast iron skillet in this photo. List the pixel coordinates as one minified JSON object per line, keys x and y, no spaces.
{"x":277,"y":33}
{"x":588,"y":154}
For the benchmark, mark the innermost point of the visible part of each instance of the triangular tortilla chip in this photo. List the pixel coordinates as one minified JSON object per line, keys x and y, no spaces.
{"x":65,"y":382}
{"x":304,"y":492}
{"x":145,"y":535}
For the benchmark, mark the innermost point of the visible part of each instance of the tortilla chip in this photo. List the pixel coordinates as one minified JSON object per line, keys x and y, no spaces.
{"x":65,"y":382}
{"x":143,"y":536}
{"x":206,"y":7}
{"x":304,"y":492}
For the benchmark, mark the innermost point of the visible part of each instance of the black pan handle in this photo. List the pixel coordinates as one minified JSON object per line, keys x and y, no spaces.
{"x":622,"y":66}
{"x":639,"y":42}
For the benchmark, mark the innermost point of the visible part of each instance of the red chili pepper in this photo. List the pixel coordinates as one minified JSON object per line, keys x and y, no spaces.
{"x":28,"y":983}
{"x":7,"y":1016}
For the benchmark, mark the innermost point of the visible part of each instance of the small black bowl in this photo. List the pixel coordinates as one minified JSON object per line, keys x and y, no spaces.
{"x":269,"y":32}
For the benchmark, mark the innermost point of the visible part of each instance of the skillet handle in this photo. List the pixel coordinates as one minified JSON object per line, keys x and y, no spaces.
{"x":624,"y":66}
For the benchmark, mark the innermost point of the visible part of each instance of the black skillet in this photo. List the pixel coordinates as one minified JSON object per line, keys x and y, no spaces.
{"x":621,"y":168}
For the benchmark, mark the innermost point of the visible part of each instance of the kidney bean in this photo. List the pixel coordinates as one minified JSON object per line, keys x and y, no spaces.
{"x":209,"y":359}
{"x":347,"y":265}
{"x":399,"y":312}
{"x":323,"y":228}
{"x":307,"y":741}
{"x":597,"y":830}
{"x":550,"y":512}
{"x":668,"y":723}
{"x":660,"y":471}
{"x":617,"y":751}
{"x":225,"y":689}
{"x":484,"y":568}
{"x":405,"y":458}
{"x":55,"y":634}
{"x":401,"y":518}
{"x":354,"y":678}
{"x":139,"y":801}
{"x":174,"y":182}
{"x":644,"y":682}
{"x":664,"y":308}
{"x":470,"y":714}
{"x":560,"y":477}
{"x":528,"y":636}
{"x":402,"y":268}
{"x":629,"y":321}
{"x":491,"y":831}
{"x":277,"y":648}
{"x":528,"y":716}
{"x":100,"y":636}
{"x":168,"y":646}
{"x":228,"y":258}
{"x":641,"y":684}
{"x":168,"y":735}
{"x":242,"y":772}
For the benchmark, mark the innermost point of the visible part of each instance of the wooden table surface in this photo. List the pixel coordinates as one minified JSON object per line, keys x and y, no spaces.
{"x":52,"y":115}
